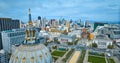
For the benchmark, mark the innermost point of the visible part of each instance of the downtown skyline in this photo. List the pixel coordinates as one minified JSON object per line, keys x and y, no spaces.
{"x":93,"y":10}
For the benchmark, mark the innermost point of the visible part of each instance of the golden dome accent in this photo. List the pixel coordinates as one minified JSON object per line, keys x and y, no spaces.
{"x":30,"y":23}
{"x":91,"y":36}
{"x":40,"y":57}
{"x":34,"y":33}
{"x":24,"y":59}
{"x":32,"y":58}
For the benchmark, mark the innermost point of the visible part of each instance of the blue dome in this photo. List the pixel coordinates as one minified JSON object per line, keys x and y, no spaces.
{"x":31,"y":54}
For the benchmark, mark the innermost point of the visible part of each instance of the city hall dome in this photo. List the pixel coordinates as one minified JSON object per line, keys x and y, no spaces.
{"x":31,"y":54}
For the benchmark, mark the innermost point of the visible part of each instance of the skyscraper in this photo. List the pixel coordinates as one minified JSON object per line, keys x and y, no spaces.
{"x":12,"y":37}
{"x":39,"y":22}
{"x":29,"y":15}
{"x":68,"y":26}
{"x":8,"y":24}
{"x":43,"y":23}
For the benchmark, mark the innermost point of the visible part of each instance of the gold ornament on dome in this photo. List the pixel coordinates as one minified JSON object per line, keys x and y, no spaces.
{"x":23,"y":60}
{"x":30,"y":23}
{"x":32,"y":58}
{"x":40,"y":57}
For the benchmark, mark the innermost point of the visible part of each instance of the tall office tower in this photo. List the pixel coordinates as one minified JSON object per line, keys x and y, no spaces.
{"x":22,"y":25}
{"x":68,"y":25}
{"x":86,"y":23}
{"x":56,"y":23}
{"x":43,"y":23}
{"x":59,"y":22}
{"x":80,"y":22}
{"x":39,"y":22}
{"x":29,"y":15}
{"x":71,"y":20}
{"x":52,"y":22}
{"x":63,"y":21}
{"x":8,"y":24}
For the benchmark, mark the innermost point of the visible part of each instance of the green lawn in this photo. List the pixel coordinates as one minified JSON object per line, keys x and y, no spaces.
{"x":58,"y":53}
{"x":55,"y":58}
{"x":111,"y":61}
{"x":95,"y":59}
{"x":68,"y":55}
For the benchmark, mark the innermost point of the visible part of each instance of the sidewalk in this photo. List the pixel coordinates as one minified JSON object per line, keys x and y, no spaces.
{"x":116,"y":60}
{"x":86,"y":57}
{"x":59,"y":60}
{"x":106,"y":59}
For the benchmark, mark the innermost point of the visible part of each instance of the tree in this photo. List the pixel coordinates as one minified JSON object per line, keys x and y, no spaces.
{"x":54,"y":47}
{"x":94,"y":45}
{"x":110,"y":46}
{"x":56,"y":41}
{"x":70,"y":43}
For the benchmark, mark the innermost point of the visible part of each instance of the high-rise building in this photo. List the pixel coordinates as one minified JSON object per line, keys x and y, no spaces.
{"x":12,"y":37}
{"x":52,"y":22}
{"x":71,"y":20}
{"x":22,"y":25}
{"x":8,"y":24}
{"x":3,"y":57}
{"x":86,"y":24}
{"x":43,"y":25}
{"x":39,"y":22}
{"x":98,"y":24}
{"x":68,"y":25}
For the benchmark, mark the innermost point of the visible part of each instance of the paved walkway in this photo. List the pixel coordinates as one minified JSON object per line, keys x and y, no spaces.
{"x":106,"y":59}
{"x":86,"y":57}
{"x":75,"y":57}
{"x":59,"y":60}
{"x":116,"y":60}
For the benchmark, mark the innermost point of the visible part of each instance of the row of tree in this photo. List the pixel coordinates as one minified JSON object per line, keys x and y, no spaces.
{"x":109,"y":46}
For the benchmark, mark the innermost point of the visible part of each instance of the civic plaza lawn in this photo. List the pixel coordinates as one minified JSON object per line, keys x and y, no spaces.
{"x":58,"y":53}
{"x":110,"y":60}
{"x":96,"y":59}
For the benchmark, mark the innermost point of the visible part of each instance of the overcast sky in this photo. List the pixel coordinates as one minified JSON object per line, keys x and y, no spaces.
{"x":96,"y":10}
